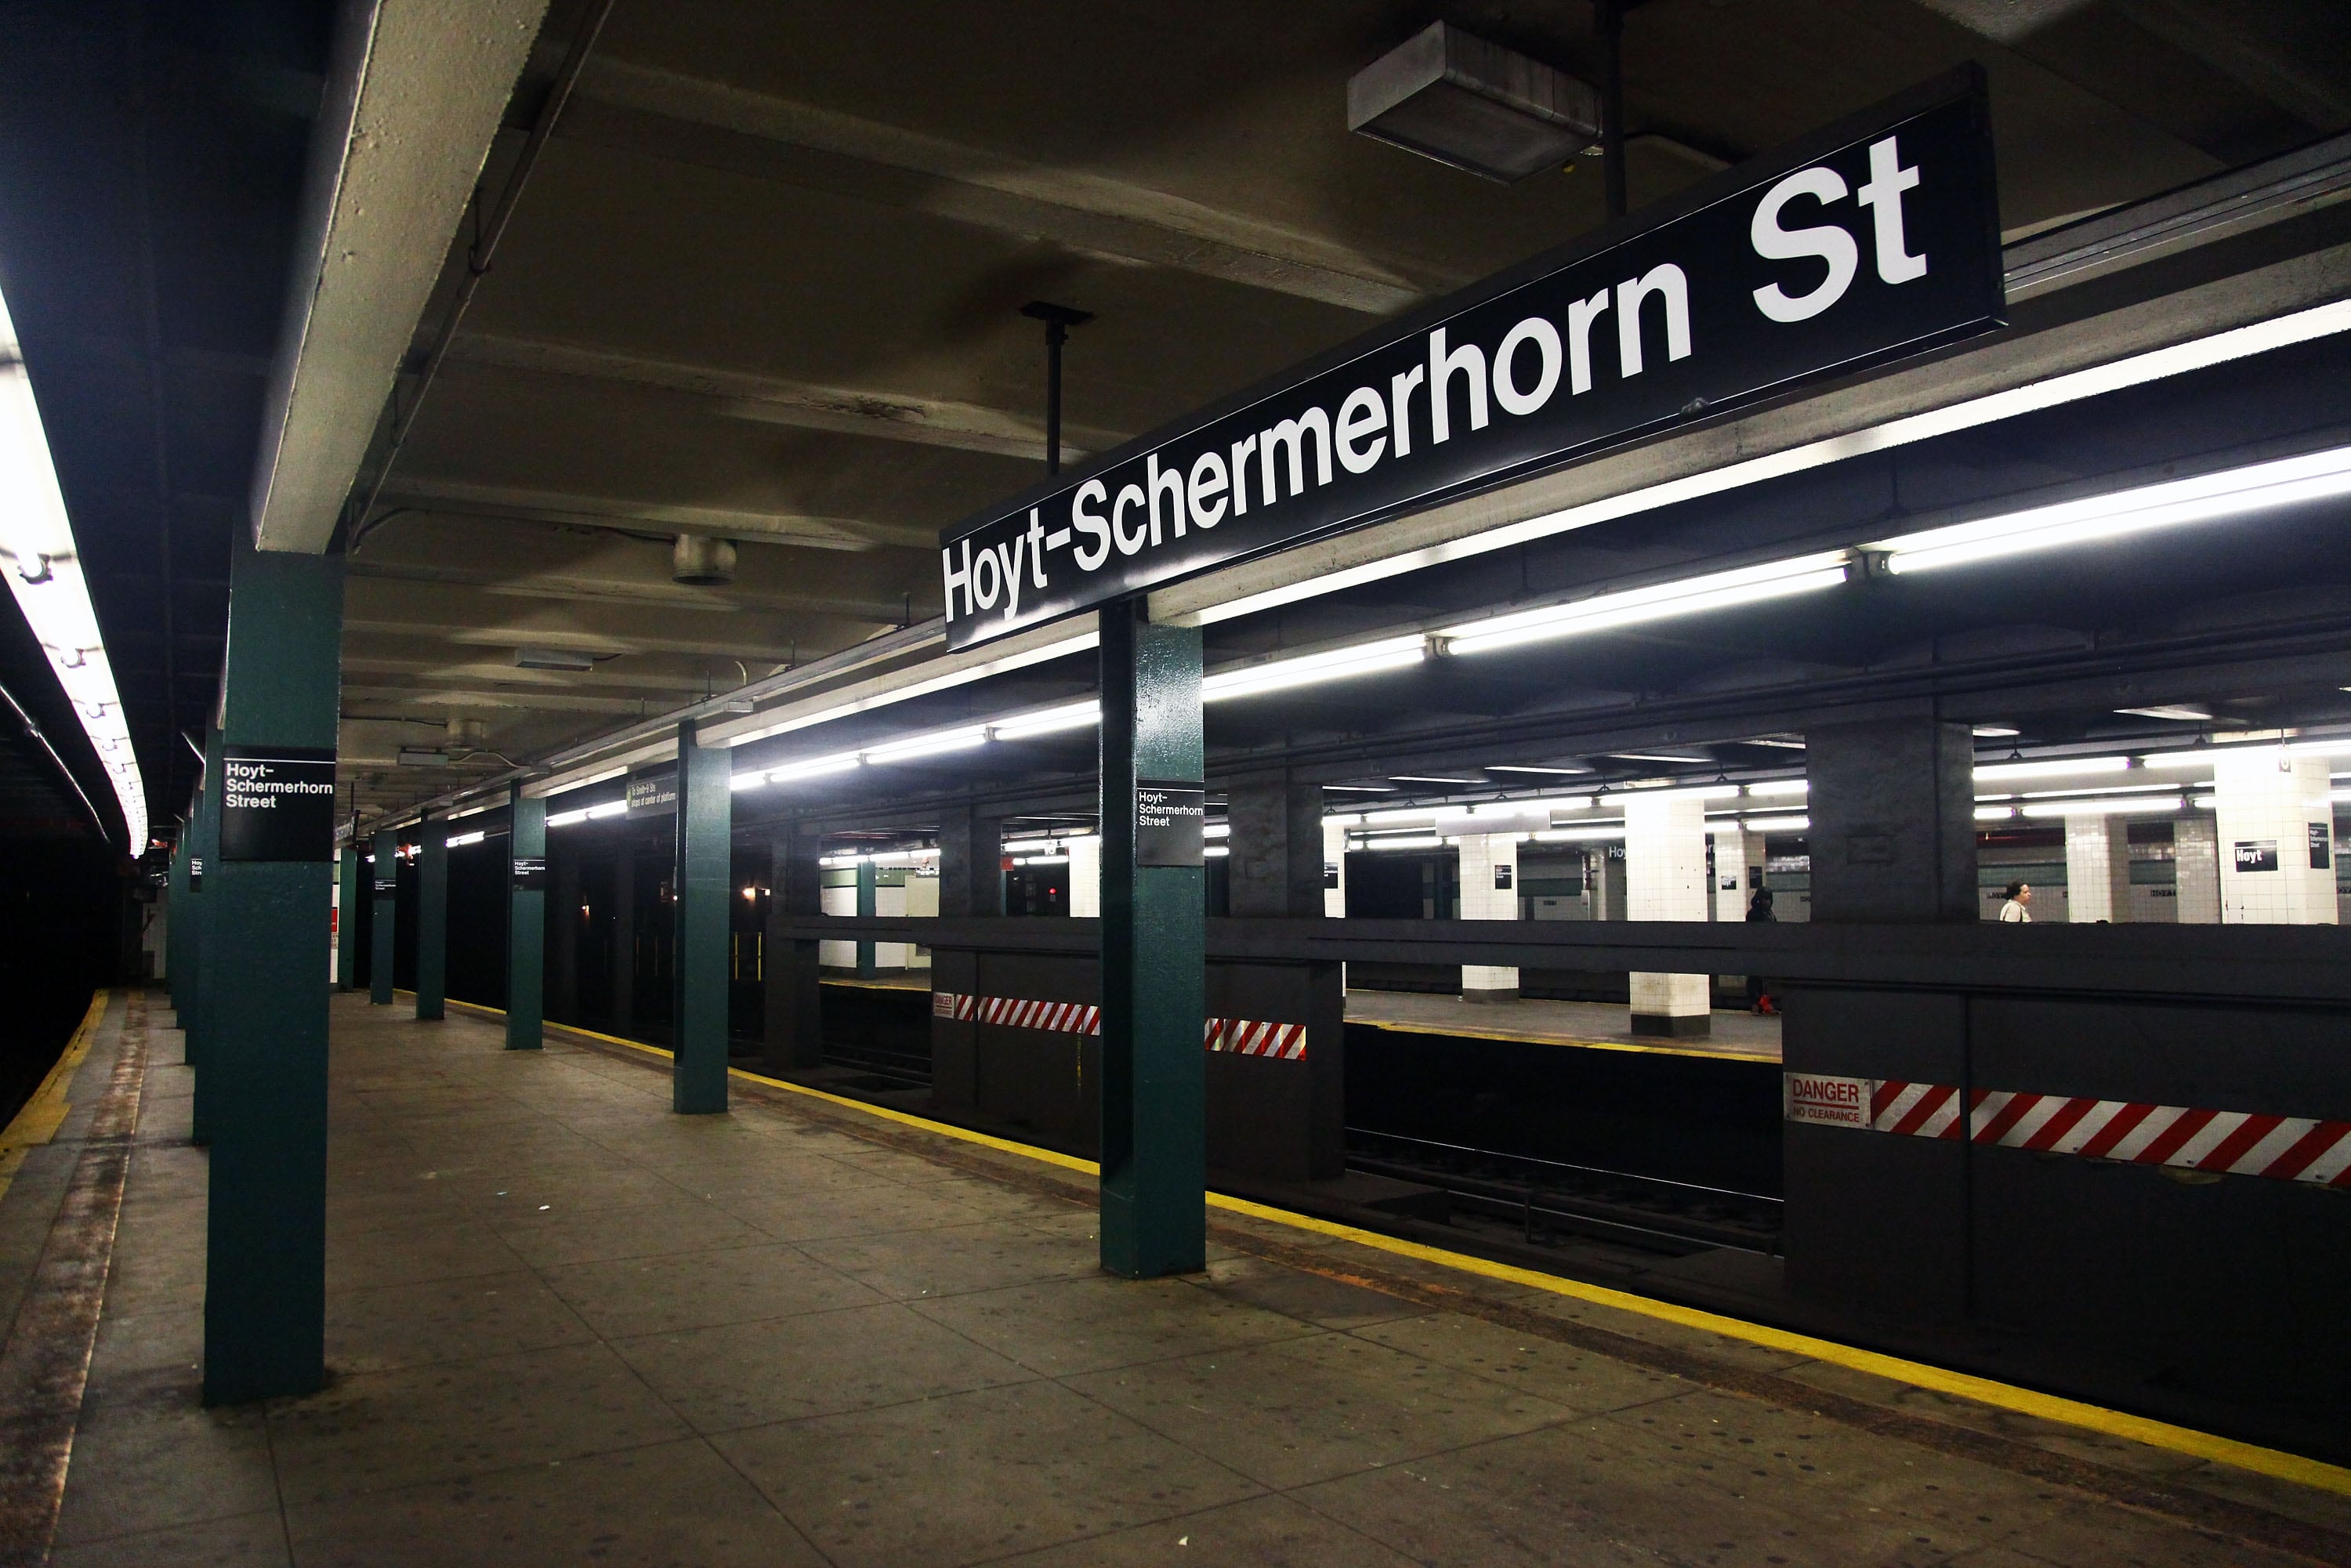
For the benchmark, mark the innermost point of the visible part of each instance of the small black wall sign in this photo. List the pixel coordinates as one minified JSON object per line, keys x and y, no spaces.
{"x":2322,"y":845}
{"x":277,"y":803}
{"x":653,"y":795}
{"x":1875,"y":238}
{"x":195,"y":873}
{"x":2257,"y":854}
{"x":530,"y":873}
{"x":1502,"y":877}
{"x":1168,"y":820}
{"x":1330,"y":876}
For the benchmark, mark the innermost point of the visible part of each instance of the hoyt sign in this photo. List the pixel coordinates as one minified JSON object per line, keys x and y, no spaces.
{"x":1876,"y":238}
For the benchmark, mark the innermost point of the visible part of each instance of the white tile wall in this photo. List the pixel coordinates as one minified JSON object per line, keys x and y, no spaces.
{"x":1482,"y":855}
{"x":2265,"y":797}
{"x":2196,"y":867}
{"x":1735,"y":853}
{"x":1335,"y":852}
{"x":1086,"y":878}
{"x":1664,"y":879}
{"x":2097,"y":870}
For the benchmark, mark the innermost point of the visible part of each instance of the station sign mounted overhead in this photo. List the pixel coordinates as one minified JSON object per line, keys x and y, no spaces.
{"x":1876,"y":238}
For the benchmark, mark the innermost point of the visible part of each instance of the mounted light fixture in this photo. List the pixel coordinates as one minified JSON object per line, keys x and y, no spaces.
{"x":1311,"y":669}
{"x":1605,"y":611}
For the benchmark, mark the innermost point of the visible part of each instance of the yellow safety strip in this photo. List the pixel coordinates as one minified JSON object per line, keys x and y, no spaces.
{"x":37,"y":1120}
{"x":1982,"y":1390}
{"x":1400,"y":1026}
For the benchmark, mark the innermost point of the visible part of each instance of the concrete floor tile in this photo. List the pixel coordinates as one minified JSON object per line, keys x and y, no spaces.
{"x":624,"y":1297}
{"x":956,"y":1260}
{"x":563,"y":1234}
{"x":1670,"y":1335}
{"x":1304,"y":1410}
{"x":146,"y":1347}
{"x":412,"y":1254}
{"x":245,"y":1541}
{"x":1261,"y":1533}
{"x":785,"y":1177}
{"x":380,"y":1430}
{"x":164,"y":1462}
{"x":446,"y":1320}
{"x":2327,"y":1509}
{"x":1580,"y":1380}
{"x":2072,"y":1534}
{"x":1090,"y":1324}
{"x":670,"y":1505}
{"x":872,"y":1207}
{"x":974,"y":1476}
{"x":1278,"y":1288}
{"x":746,"y":1374}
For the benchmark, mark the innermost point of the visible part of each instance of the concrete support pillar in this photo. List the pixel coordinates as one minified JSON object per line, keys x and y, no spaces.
{"x":203,"y":982}
{"x":971,"y":863}
{"x":1085,"y":875}
{"x":623,"y":971}
{"x":1490,"y":891}
{"x":702,"y":925}
{"x":1275,"y":865}
{"x":265,"y":1232}
{"x":1738,"y":869}
{"x":1154,"y":952}
{"x":795,"y":1001}
{"x":383,"y":886}
{"x":2196,"y":869}
{"x":1893,"y":829}
{"x":2275,"y":819}
{"x":563,"y":939}
{"x":526,"y":921}
{"x":2097,"y":870}
{"x":431,"y":918}
{"x":175,"y":935}
{"x":1664,"y":879}
{"x":347,"y":917}
{"x":868,"y":905}
{"x":1334,"y":870}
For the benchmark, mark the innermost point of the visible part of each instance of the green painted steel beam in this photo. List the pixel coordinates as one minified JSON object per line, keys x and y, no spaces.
{"x":868,"y":905}
{"x":203,"y":884}
{"x":384,"y":888}
{"x":432,"y":918}
{"x":1154,"y":959}
{"x":347,"y":917}
{"x":526,"y":922}
{"x":703,"y":923}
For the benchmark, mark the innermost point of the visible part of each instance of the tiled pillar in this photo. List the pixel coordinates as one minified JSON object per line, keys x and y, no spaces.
{"x":1892,"y":832}
{"x":1334,"y":870}
{"x":2097,"y":870}
{"x":1085,"y":875}
{"x":2196,"y":869}
{"x":794,"y":1026}
{"x":1664,"y":879}
{"x":2276,"y":827}
{"x":1275,"y":865}
{"x":1490,"y":891}
{"x":971,"y":862}
{"x":1738,"y":869}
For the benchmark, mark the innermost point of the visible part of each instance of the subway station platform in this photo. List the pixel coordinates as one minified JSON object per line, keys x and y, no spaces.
{"x":566,"y":1325}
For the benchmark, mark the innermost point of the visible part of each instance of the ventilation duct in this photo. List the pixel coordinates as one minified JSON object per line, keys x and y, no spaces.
{"x":553,"y":659}
{"x":702,"y":560}
{"x":1473,"y":105}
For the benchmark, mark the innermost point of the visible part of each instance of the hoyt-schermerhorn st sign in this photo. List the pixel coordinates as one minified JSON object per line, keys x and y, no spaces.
{"x":1876,"y":238}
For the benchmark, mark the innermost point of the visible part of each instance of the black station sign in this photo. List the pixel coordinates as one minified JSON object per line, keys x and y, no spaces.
{"x":2321,"y":846}
{"x":653,"y":794}
{"x":195,"y":873}
{"x":1873,"y":239}
{"x":1169,"y":818}
{"x":530,"y":873}
{"x":277,"y":803}
{"x":2257,"y":854}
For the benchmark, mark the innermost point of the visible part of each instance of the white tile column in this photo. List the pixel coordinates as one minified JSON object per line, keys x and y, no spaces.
{"x":1738,"y":863}
{"x":1334,"y":863}
{"x":2196,"y":869}
{"x":1490,"y":891}
{"x":1664,"y":879}
{"x":2275,"y":820}
{"x":1085,"y":875}
{"x":2097,"y":870}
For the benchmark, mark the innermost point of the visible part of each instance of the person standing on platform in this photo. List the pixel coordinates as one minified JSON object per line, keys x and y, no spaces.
{"x":1759,"y":1000}
{"x":2017,"y":909}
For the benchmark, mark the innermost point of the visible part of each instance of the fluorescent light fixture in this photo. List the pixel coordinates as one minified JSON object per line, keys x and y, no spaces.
{"x":746,"y":781}
{"x":1776,"y":824}
{"x":815,"y":767}
{"x":608,"y":809}
{"x":1766,"y":786}
{"x":2339,"y":746}
{"x":944,"y":740}
{"x":1215,"y":852}
{"x":2202,"y":758}
{"x":1401,"y":815}
{"x":2053,"y":769}
{"x":1602,"y":613}
{"x":2233,"y":491}
{"x":1217,"y":831}
{"x":2110,"y":788}
{"x":569,"y":785}
{"x":1518,"y":768}
{"x":1994,"y":814}
{"x":1696,"y":793}
{"x":2184,"y":713}
{"x":1593,"y":834}
{"x":1543,"y":803}
{"x":2340,"y":796}
{"x":1779,"y":742}
{"x":565,"y":819}
{"x":1405,"y":842}
{"x":1311,"y":669}
{"x":1050,"y":721}
{"x":2108,"y":805}
{"x":1996,"y":731}
{"x":1430,"y":778}
{"x":43,"y":565}
{"x":1366,"y":789}
{"x":964,"y":677}
{"x":1041,"y":860}
{"x":462,"y":839}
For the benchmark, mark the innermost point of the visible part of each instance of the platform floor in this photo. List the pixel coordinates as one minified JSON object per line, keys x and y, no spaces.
{"x":568,"y":1326}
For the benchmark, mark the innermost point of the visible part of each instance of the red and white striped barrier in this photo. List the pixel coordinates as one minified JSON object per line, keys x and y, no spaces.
{"x":2227,"y":1143}
{"x":1245,"y":1036}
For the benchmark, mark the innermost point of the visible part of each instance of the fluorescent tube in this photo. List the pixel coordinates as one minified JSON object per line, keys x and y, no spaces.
{"x":840,"y":762}
{"x":1714,"y":590}
{"x":2054,"y":768}
{"x":2112,"y":806}
{"x":932,"y":744}
{"x":1070,"y":716}
{"x":1338,"y":663}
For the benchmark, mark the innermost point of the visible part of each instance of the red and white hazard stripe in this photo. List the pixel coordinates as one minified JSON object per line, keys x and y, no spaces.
{"x":2229,"y":1142}
{"x":1248,"y":1037}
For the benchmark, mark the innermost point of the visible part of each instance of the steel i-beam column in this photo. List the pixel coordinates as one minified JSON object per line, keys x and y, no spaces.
{"x":705,"y":807}
{"x":384,"y":885}
{"x":347,"y":917}
{"x":795,"y":1022}
{"x":203,"y":884}
{"x":621,"y":984}
{"x":526,"y":921}
{"x":175,"y":935}
{"x":265,"y":1235}
{"x":868,"y":886}
{"x":432,"y":918}
{"x":1154,"y":955}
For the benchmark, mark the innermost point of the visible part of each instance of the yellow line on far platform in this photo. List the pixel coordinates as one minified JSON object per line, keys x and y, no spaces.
{"x":44,"y":1111}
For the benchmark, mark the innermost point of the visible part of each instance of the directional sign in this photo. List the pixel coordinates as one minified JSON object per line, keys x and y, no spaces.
{"x":277,"y":803}
{"x":1876,"y":238}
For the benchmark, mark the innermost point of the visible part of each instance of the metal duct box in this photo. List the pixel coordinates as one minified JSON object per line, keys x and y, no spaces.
{"x":1473,"y":105}
{"x":553,"y":659}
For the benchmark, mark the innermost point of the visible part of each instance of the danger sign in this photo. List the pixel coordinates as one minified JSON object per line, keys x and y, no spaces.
{"x":1827,"y":1101}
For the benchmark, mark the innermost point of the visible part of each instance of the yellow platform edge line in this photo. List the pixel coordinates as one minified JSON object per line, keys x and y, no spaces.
{"x":44,"y":1111}
{"x":1999,"y":1395}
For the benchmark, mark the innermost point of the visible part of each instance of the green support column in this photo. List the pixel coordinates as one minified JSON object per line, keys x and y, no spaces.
{"x":203,"y":980}
{"x":176,"y":910}
{"x":866,"y":907}
{"x":705,"y":816}
{"x":431,"y":918}
{"x":347,"y":917}
{"x":385,"y":888}
{"x":264,"y":1066}
{"x":1154,"y":957}
{"x":526,"y":921}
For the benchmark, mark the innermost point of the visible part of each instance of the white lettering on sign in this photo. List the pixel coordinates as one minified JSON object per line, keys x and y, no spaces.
{"x":257,"y":786}
{"x":1828,"y":1102}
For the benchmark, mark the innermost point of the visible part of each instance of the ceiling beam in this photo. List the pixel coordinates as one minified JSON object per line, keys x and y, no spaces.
{"x":465,"y":697}
{"x":466,"y":500}
{"x":608,"y":643}
{"x":806,"y":405}
{"x":728,"y":599}
{"x":645,"y":110}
